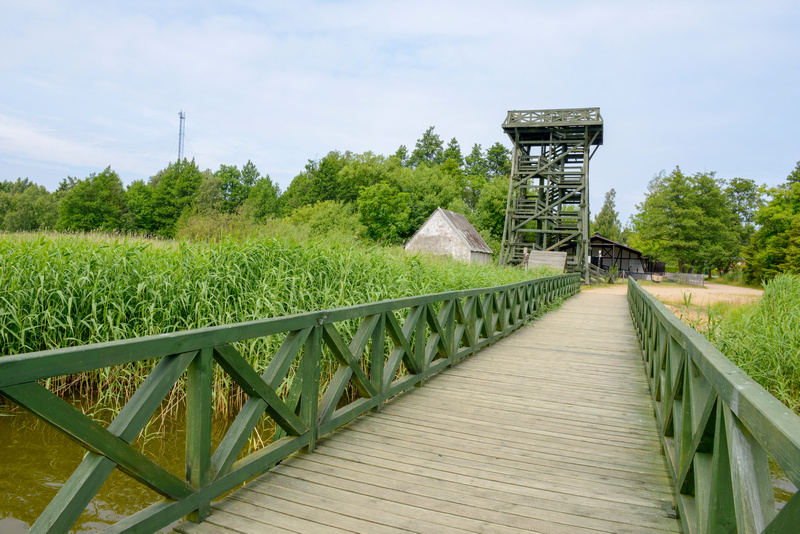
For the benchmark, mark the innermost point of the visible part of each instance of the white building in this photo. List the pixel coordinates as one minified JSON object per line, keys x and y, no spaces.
{"x":451,"y":234}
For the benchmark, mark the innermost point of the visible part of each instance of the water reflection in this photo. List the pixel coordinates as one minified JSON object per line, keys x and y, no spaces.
{"x":36,"y":460}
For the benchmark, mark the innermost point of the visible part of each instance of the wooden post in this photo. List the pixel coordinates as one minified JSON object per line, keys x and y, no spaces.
{"x":309,"y":396}
{"x":198,"y":426}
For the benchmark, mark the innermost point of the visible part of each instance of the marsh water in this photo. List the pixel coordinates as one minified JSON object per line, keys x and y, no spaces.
{"x":36,"y":460}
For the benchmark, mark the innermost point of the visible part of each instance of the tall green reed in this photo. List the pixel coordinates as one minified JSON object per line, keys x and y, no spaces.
{"x":764,"y":339}
{"x":63,"y":290}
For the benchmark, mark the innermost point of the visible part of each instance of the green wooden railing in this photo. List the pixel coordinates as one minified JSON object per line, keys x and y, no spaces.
{"x":718,"y":428}
{"x":425,"y":333}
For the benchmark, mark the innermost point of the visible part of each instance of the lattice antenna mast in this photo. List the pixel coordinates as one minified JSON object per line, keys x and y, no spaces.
{"x":548,"y":197}
{"x":181,"y":135}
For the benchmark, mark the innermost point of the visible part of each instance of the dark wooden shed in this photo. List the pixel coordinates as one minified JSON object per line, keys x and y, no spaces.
{"x":607,"y":253}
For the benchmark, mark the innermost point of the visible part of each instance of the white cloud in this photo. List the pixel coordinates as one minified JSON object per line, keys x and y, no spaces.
{"x":687,"y":83}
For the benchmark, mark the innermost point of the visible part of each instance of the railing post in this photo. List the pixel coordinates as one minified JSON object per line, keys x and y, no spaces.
{"x":309,"y":395}
{"x":199,"y":378}
{"x":376,"y":357}
{"x":420,"y":341}
{"x":450,"y":332}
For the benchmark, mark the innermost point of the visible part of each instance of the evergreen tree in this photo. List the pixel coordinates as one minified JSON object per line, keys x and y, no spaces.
{"x":429,"y":150}
{"x":498,"y":161}
{"x":453,"y":152}
{"x":607,"y":221}
{"x":475,"y":163}
{"x":402,"y":155}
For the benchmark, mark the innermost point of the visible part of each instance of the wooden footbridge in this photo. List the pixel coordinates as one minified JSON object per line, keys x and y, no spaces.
{"x":585,"y":422}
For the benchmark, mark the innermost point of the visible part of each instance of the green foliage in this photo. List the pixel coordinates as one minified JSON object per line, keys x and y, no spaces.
{"x":94,"y":203}
{"x":230,"y":186}
{"x":429,"y":150}
{"x":319,"y":181}
{"x":498,"y":161}
{"x":402,"y":155}
{"x":210,"y":197}
{"x":475,"y":163}
{"x":262,"y":202}
{"x":686,"y":220}
{"x":59,"y":290}
{"x":745,"y":198}
{"x":794,"y":176}
{"x":491,"y":207}
{"x":607,"y":221}
{"x":328,"y":217}
{"x":775,"y":246}
{"x":764,"y":340}
{"x":15,"y":188}
{"x":26,"y":206}
{"x":453,"y":152}
{"x":140,"y":208}
{"x":384,"y":211}
{"x":172,"y":191}
{"x":182,"y":197}
{"x":361,"y":171}
{"x":325,"y":177}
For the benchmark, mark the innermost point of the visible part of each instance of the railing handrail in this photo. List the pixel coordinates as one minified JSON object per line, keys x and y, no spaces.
{"x":717,"y":452}
{"x":438,"y":330}
{"x":15,"y":369}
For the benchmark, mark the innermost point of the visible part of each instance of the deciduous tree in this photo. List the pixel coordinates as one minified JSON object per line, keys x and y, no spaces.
{"x":94,"y":203}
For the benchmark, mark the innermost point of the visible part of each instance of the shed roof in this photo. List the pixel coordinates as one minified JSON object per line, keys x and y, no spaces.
{"x":597,"y":238}
{"x":463,"y":229}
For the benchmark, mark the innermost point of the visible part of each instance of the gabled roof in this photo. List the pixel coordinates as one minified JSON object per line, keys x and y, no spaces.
{"x":463,"y":229}
{"x":597,"y":237}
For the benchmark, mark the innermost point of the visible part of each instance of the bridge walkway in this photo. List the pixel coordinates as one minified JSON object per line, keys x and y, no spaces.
{"x":550,"y":430}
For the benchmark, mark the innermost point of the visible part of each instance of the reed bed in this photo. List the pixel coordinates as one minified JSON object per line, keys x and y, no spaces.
{"x":764,"y":339}
{"x":61,"y":290}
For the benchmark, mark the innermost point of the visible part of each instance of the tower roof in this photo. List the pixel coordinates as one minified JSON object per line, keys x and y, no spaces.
{"x":543,"y":124}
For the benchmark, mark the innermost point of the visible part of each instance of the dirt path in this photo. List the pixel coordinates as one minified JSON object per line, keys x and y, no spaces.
{"x":701,"y":296}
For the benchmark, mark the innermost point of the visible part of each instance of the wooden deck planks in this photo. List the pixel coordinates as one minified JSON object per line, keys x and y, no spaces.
{"x":550,"y":430}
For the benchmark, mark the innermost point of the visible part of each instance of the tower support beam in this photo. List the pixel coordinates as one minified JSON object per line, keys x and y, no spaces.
{"x":548,"y":197}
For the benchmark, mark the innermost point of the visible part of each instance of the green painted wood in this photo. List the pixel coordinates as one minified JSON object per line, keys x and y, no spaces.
{"x":350,"y":356}
{"x":376,"y":356}
{"x":400,"y":336}
{"x":24,"y":368}
{"x":165,"y":512}
{"x":718,"y":426}
{"x":427,"y":342}
{"x":787,"y":519}
{"x":78,"y":491}
{"x":309,"y":393}
{"x":198,"y":425}
{"x":246,"y":377}
{"x":248,"y":417}
{"x":62,"y":416}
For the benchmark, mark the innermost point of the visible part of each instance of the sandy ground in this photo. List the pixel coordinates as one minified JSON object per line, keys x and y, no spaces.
{"x":701,"y":296}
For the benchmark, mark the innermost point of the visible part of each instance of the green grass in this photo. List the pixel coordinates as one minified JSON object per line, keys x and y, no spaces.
{"x":63,"y":290}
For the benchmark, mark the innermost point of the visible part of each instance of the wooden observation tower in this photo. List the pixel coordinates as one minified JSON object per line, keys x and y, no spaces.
{"x":548,"y":198}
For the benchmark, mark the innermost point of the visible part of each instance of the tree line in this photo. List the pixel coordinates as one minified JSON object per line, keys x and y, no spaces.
{"x":700,"y":222}
{"x":385,"y":199}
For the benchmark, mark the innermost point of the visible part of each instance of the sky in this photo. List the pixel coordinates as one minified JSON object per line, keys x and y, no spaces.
{"x":707,"y":86}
